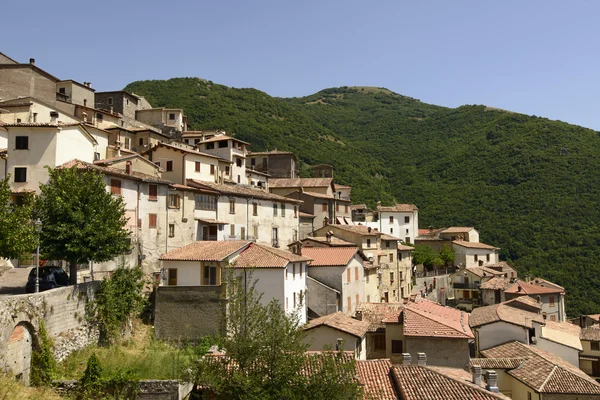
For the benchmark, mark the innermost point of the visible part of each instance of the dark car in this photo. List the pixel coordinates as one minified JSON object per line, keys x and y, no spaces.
{"x":50,"y":278}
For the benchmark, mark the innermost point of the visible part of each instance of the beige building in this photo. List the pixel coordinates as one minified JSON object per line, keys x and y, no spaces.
{"x":230,"y":149}
{"x":550,"y":295}
{"x":466,"y":285}
{"x":337,"y":331}
{"x":589,"y":359}
{"x":170,"y":121}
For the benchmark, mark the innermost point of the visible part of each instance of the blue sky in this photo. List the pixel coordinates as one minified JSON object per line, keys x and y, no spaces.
{"x":531,"y":56}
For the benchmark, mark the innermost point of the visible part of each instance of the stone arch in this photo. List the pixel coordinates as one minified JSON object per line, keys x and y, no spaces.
{"x":20,"y":346}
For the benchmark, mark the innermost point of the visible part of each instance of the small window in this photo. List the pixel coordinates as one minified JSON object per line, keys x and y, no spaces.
{"x":96,"y":156}
{"x":407,"y":239}
{"x":337,"y":207}
{"x":346,"y":208}
{"x":551,"y":301}
{"x":171,"y":116}
{"x":169,"y":166}
{"x":153,"y":192}
{"x":212,"y":169}
{"x":553,"y":317}
{"x":295,"y":211}
{"x":232,"y":206}
{"x":274,"y":209}
{"x":232,"y":230}
{"x":391,"y":219}
{"x":356,"y":273}
{"x":253,"y":161}
{"x":152,"y":220}
{"x":379,"y":340}
{"x":172,"y":277}
{"x":20,"y":174}
{"x":254,"y":209}
{"x":391,"y":230}
{"x":487,"y":257}
{"x":397,"y":346}
{"x":210,"y":146}
{"x":99,"y":116}
{"x":226,"y":170}
{"x":22,"y":143}
{"x":392,"y":257}
{"x":324,"y":207}
{"x":110,"y":101}
{"x":294,"y":271}
{"x":238,"y":162}
{"x":115,"y":186}
{"x":595,"y":346}
{"x":368,"y":242}
{"x":141,"y":141}
{"x":62,"y":90}
{"x":282,"y":210}
{"x":476,"y":257}
{"x":348,"y":276}
{"x":406,"y":220}
{"x":349,"y":300}
{"x":197,"y":166}
{"x":171,"y":230}
{"x":223,"y":144}
{"x":174,"y":201}
{"x":391,"y":277}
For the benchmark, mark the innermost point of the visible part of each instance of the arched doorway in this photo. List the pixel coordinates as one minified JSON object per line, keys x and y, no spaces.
{"x":20,"y":344}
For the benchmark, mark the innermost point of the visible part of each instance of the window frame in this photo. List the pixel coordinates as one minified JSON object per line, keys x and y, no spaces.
{"x":20,"y":174}
{"x":152,"y":221}
{"x":19,"y":142}
{"x":115,"y":186}
{"x":152,"y":192}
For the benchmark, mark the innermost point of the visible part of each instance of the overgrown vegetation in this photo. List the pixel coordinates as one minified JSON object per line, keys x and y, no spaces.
{"x":43,"y":364}
{"x":94,"y":385}
{"x":17,"y":232}
{"x":11,"y":389}
{"x":528,"y":184}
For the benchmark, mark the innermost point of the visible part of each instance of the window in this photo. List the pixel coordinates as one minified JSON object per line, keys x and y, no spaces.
{"x":227,"y":170}
{"x":110,"y":101}
{"x":254,"y":209}
{"x":399,"y":256}
{"x":392,"y":257}
{"x":62,"y":90}
{"x":20,"y":174}
{"x":476,"y":257}
{"x":406,"y":232}
{"x":528,"y":395}
{"x":295,"y":211}
{"x":294,"y":272}
{"x":255,"y":232}
{"x":152,"y":218}
{"x":337,"y":207}
{"x":141,"y":141}
{"x":115,"y":186}
{"x":301,"y":268}
{"x":391,"y":277}
{"x":238,"y":162}
{"x":551,"y":301}
{"x":231,"y":206}
{"x":324,"y":207}
{"x":205,"y":202}
{"x":368,"y":298}
{"x":169,"y":166}
{"x":391,"y":219}
{"x":356,"y":273}
{"x":153,"y":192}
{"x":406,"y":220}
{"x":22,"y":143}
{"x":243,"y":233}
{"x":348,"y":275}
{"x":99,"y":117}
{"x":553,"y":317}
{"x":282,"y":210}
{"x":357,"y":300}
{"x":96,"y":156}
{"x":349,"y":303}
{"x":171,"y":116}
{"x":210,"y":275}
{"x":346,"y":208}
{"x":197,"y":166}
{"x":368,"y":242}
{"x":174,"y":201}
{"x":232,"y":230}
{"x":253,"y":162}
{"x":172,"y":277}
{"x":171,"y":230}
{"x":397,"y":346}
{"x":196,"y":141}
{"x":275,"y":237}
{"x":595,"y":346}
{"x":391,"y":230}
{"x":274,"y":209}
{"x":212,"y":169}
{"x":379,"y":340}
{"x":128,"y":144}
{"x":223,"y":144}
{"x":210,"y":146}
{"x":407,"y":239}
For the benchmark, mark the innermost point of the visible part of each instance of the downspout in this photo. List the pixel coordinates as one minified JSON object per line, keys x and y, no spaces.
{"x":183,"y":181}
{"x":167,"y":219}
{"x":247,"y":215}
{"x":137,"y":224}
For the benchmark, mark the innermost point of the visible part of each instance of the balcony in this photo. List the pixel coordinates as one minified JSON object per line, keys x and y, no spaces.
{"x":461,"y":285}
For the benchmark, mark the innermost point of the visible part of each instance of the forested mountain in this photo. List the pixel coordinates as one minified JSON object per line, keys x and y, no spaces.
{"x":529,"y":185}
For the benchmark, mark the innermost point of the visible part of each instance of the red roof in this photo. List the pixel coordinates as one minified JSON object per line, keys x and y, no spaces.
{"x":529,"y":289}
{"x":261,"y":256}
{"x":329,"y":256}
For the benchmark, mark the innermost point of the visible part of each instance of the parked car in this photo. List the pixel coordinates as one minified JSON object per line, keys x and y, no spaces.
{"x":50,"y":277}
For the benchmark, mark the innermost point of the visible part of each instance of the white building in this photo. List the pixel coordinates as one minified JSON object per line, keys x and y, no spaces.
{"x":473,"y":254}
{"x":550,"y":295}
{"x":230,"y":149}
{"x":400,"y":220}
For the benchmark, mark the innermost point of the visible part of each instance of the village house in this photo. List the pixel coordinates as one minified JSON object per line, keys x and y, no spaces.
{"x":170,"y":121}
{"x":550,"y":295}
{"x":466,"y":284}
{"x":275,"y":163}
{"x":335,"y":280}
{"x":229,"y":149}
{"x":589,"y":358}
{"x":337,"y":331}
{"x":400,"y":220}
{"x":492,"y":290}
{"x":139,"y":140}
{"x":529,"y":373}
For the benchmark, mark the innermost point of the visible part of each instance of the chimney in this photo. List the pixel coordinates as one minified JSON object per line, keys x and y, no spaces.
{"x":476,"y":375}
{"x":421,"y":358}
{"x":84,"y":115}
{"x":492,"y":381}
{"x":369,"y":229}
{"x":405,"y":358}
{"x":299,"y":250}
{"x":32,"y":61}
{"x":328,"y":236}
{"x":358,"y":315}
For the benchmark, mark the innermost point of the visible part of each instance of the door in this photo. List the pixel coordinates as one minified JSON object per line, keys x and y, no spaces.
{"x":172,"y":277}
{"x":212,"y":232}
{"x":205,"y":233}
{"x":596,"y":368}
{"x":498,"y":298}
{"x":210,"y":275}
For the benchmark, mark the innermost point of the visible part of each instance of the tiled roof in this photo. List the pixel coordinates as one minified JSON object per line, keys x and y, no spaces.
{"x":474,"y":245}
{"x":376,"y":378}
{"x":526,"y":301}
{"x":205,"y":251}
{"x":305,"y":215}
{"x":547,"y":284}
{"x":358,"y":207}
{"x":217,"y":138}
{"x":418,"y":382}
{"x":403,"y":247}
{"x":341,"y":322}
{"x":458,"y":229}
{"x":300,"y":182}
{"x":496,"y":283}
{"x":44,"y":124}
{"x":183,"y":149}
{"x":376,"y":313}
{"x":385,"y":236}
{"x":544,"y":372}
{"x":429,"y":319}
{"x":242,"y":191}
{"x":177,"y":186}
{"x":261,"y":256}
{"x":496,"y":363}
{"x":595,"y":317}
{"x":338,"y":186}
{"x":318,"y":195}
{"x":590,"y":333}
{"x":361,"y":229}
{"x":330,"y":256}
{"x":529,"y":289}
{"x":134,"y":175}
{"x":272,"y":152}
{"x":482,"y":271}
{"x":564,"y":333}
{"x":430,"y":232}
{"x":503,"y":312}
{"x":398,"y":208}
{"x":333,"y":241}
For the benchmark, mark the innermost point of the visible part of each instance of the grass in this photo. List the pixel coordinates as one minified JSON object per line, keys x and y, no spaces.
{"x":11,"y":389}
{"x":147,"y":357}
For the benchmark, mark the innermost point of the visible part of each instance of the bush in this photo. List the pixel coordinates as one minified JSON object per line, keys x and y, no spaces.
{"x":43,"y":365}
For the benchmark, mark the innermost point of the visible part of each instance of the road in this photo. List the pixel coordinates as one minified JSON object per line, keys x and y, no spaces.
{"x":13,"y":280}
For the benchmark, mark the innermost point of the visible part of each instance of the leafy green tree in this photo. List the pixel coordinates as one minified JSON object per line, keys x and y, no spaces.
{"x":424,"y":255}
{"x":17,"y":232}
{"x":447,"y":254}
{"x":81,"y":220}
{"x":266,"y":354}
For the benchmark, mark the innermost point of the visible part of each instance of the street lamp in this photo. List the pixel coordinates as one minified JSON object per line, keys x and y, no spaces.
{"x":38,"y":229}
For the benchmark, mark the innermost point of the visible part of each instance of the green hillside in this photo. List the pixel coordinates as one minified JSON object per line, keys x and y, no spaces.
{"x":529,"y":185}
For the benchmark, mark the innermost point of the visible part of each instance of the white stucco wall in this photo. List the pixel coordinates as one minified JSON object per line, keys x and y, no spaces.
{"x":497,"y":333}
{"x":398,"y":227}
{"x":566,"y":353}
{"x":295,"y":287}
{"x":466,"y":256}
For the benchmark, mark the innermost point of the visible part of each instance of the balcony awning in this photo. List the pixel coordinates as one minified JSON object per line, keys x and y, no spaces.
{"x":211,"y":221}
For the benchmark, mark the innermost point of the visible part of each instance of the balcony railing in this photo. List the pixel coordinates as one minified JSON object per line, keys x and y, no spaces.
{"x":461,"y":285}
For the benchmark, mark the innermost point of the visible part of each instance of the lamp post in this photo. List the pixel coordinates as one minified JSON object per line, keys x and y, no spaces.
{"x":38,"y":229}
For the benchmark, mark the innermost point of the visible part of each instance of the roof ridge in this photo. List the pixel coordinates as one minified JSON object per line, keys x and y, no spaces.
{"x":438,"y":318}
{"x":548,"y":378}
{"x":272,"y":252}
{"x":464,"y":382}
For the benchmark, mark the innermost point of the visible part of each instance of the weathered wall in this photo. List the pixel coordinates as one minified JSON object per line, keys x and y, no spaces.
{"x":23,"y":80}
{"x":63,"y":312}
{"x":188,"y":312}
{"x":149,"y":389}
{"x":440,"y":351}
{"x":321,"y":299}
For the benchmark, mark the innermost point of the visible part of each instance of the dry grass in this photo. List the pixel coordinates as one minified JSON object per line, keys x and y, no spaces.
{"x":11,"y":389}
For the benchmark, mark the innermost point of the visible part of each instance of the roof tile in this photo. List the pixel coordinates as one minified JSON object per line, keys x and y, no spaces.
{"x":205,"y":251}
{"x":330,"y":256}
{"x":341,"y":322}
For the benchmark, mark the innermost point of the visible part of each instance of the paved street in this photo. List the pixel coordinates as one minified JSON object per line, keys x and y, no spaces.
{"x":12,"y":281}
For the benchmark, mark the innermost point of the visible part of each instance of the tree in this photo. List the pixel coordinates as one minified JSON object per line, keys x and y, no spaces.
{"x":424,"y":255}
{"x":265,"y":354}
{"x":447,"y":254}
{"x":17,"y":232}
{"x":81,"y":221}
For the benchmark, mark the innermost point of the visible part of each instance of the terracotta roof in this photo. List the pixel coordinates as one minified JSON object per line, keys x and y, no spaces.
{"x":261,"y":256}
{"x":333,"y":241}
{"x":341,"y":322}
{"x":564,"y":333}
{"x":496,"y":283}
{"x":403,"y":247}
{"x":496,"y":363}
{"x":134,"y":175}
{"x":503,"y":312}
{"x":547,"y":284}
{"x":300,"y":182}
{"x":375,"y":313}
{"x":429,"y":319}
{"x":590,"y":333}
{"x":44,"y":124}
{"x":338,"y":186}
{"x":305,"y":215}
{"x":524,"y":301}
{"x":271,"y":152}
{"x":182,"y":149}
{"x":529,"y":289}
{"x":482,"y":271}
{"x":217,"y":138}
{"x":385,"y":236}
{"x":595,"y":317}
{"x":544,"y":372}
{"x":418,"y":382}
{"x":430,"y":232}
{"x":318,"y":195}
{"x":241,"y":191}
{"x":376,"y":378}
{"x":458,"y":229}
{"x":398,"y":208}
{"x":358,"y":207}
{"x":205,"y":251}
{"x":474,"y":245}
{"x":330,"y":256}
{"x":361,"y":229}
{"x":177,"y":186}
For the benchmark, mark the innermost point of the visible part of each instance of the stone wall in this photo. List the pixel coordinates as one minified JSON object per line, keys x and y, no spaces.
{"x":440,"y":351}
{"x":146,"y":389}
{"x":24,"y":80}
{"x":188,"y":312}
{"x":63,"y":312}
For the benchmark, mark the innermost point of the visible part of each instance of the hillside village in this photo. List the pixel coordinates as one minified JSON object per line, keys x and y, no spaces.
{"x":200,"y":203}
